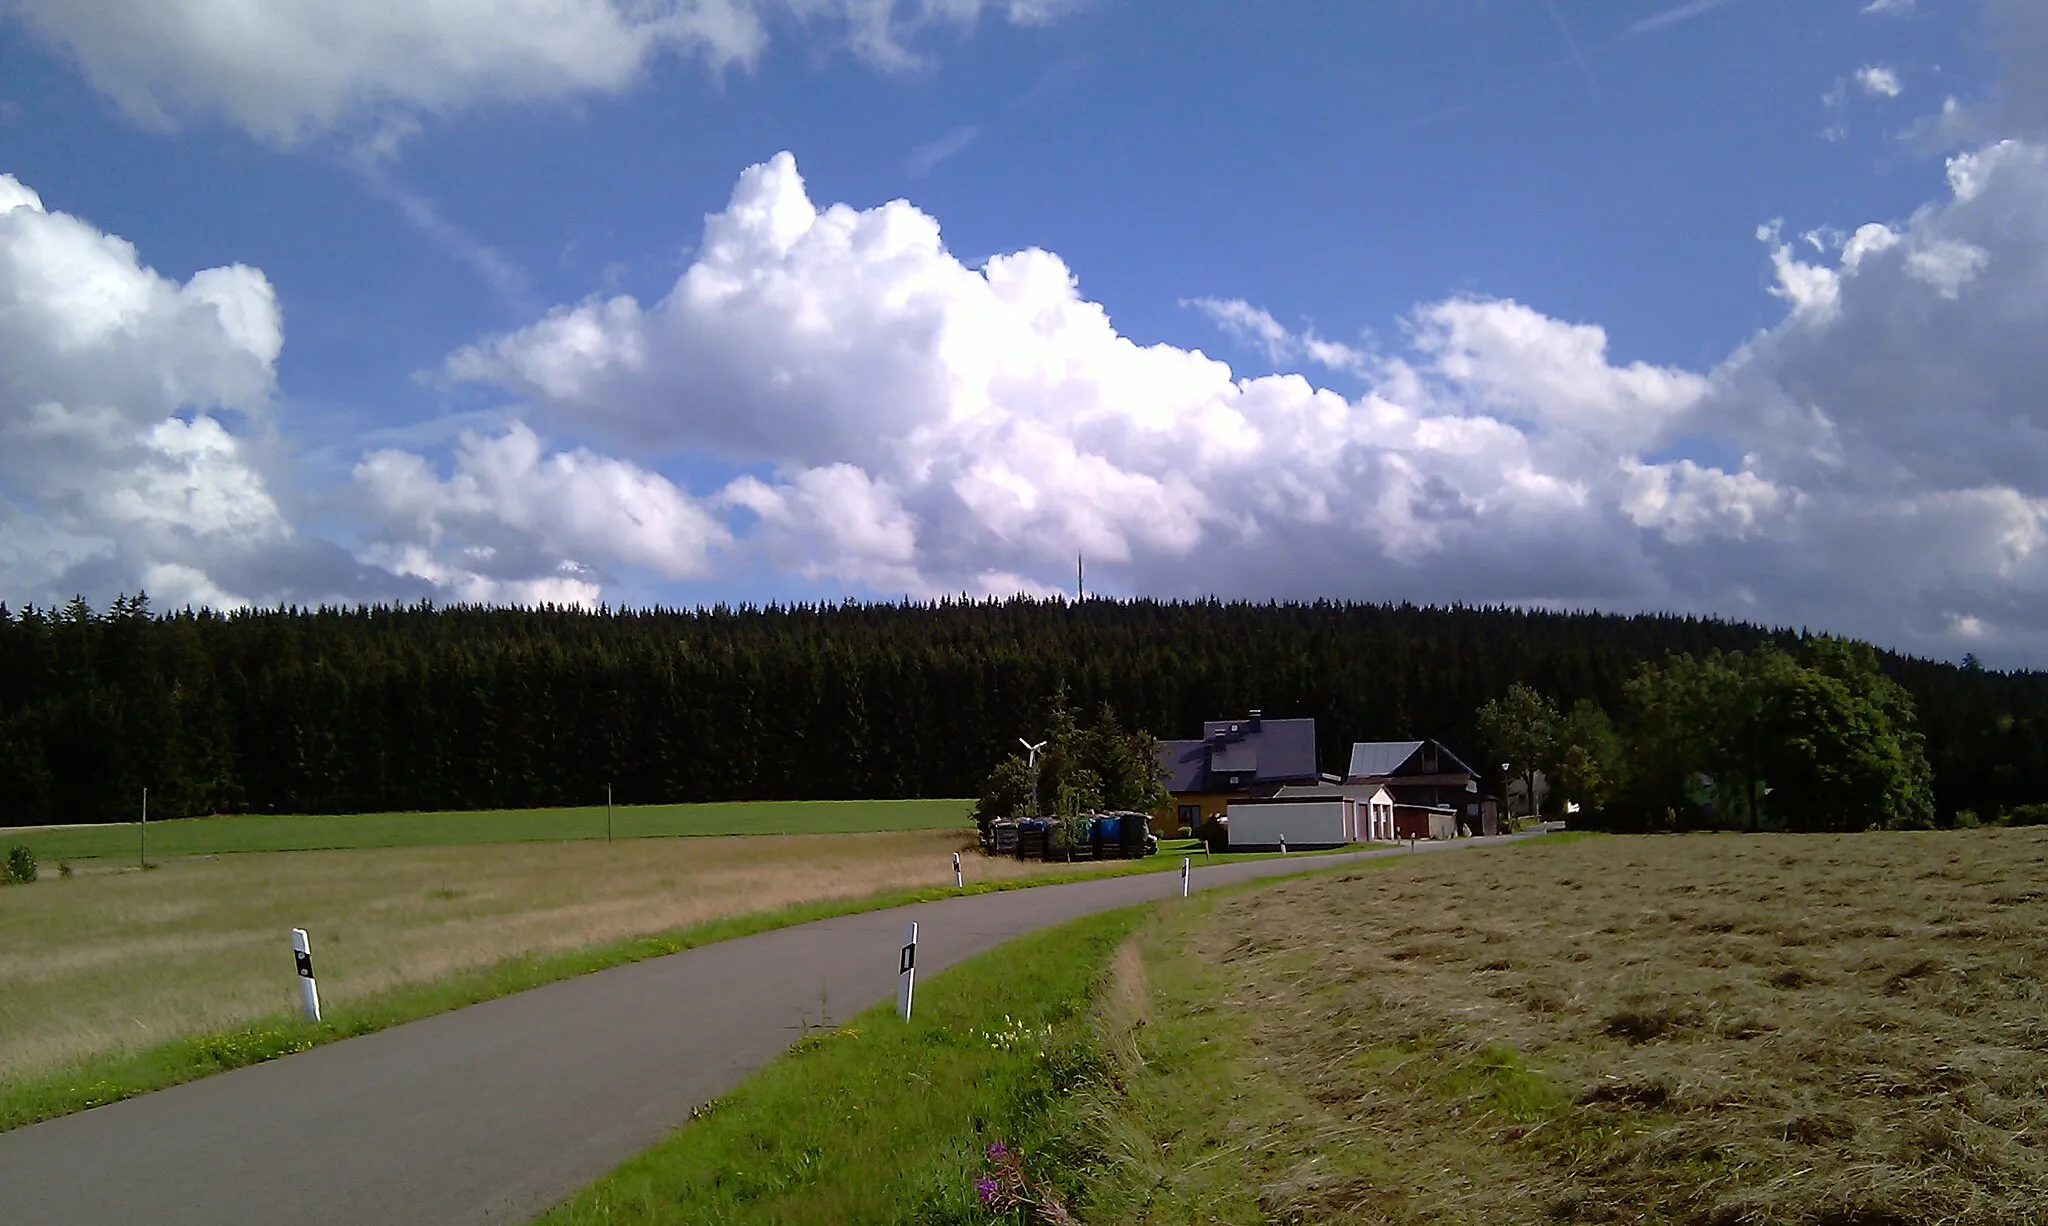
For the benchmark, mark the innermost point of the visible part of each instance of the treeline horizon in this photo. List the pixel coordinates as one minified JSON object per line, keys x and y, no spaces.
{"x":391,"y":708}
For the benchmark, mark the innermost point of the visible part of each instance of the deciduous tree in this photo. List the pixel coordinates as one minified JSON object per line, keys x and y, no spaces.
{"x":1520,"y":728}
{"x":1590,"y":760}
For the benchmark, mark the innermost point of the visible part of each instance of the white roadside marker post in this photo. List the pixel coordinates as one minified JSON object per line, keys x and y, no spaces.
{"x":959,"y":882}
{"x":1185,"y":863}
{"x":906,"y":971}
{"x":309,"y":993}
{"x":1283,"y":844}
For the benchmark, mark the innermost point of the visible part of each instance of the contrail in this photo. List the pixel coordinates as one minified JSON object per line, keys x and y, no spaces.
{"x":1578,"y":55}
{"x":923,"y":158}
{"x":1672,"y":16}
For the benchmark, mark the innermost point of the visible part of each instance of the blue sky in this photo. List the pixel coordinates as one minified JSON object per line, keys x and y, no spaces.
{"x":1487,"y":294}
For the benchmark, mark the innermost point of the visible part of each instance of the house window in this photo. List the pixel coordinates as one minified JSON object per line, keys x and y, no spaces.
{"x":1191,"y":815}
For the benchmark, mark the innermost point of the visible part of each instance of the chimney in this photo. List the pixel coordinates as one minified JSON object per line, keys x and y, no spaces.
{"x":1257,"y":718}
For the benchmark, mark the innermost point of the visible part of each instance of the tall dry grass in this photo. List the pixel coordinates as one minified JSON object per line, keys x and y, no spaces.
{"x":112,"y":959}
{"x":1711,"y":1030}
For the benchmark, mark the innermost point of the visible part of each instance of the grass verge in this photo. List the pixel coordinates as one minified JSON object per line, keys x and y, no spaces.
{"x":878,"y":1121}
{"x":99,"y":1080}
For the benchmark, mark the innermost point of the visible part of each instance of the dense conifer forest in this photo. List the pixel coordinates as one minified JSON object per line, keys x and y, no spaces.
{"x":348,"y":710}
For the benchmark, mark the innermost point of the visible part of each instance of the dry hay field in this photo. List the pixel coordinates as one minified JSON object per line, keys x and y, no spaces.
{"x":1715,"y":1030}
{"x":114,"y":958}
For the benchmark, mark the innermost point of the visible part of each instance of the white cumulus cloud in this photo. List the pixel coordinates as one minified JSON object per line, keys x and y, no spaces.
{"x":963,"y":423}
{"x":291,"y":69}
{"x":932,"y":427}
{"x":1257,"y":327}
{"x":1879,"y":81}
{"x":1513,"y":359}
{"x":113,"y":453}
{"x":1686,"y":501}
{"x":833,"y":522}
{"x":1947,"y":265}
{"x":516,"y":523}
{"x":908,"y":423}
{"x":137,"y":453}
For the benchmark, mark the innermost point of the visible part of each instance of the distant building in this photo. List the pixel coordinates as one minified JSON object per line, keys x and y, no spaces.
{"x":1435,"y":793}
{"x":1304,"y":817}
{"x":1264,"y":770}
{"x":1235,"y":759}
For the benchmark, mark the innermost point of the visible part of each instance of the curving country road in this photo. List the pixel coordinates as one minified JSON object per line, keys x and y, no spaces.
{"x":496,"y":1112}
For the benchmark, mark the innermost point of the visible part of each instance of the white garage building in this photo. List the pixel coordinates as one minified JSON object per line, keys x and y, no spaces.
{"x":1312,"y":818}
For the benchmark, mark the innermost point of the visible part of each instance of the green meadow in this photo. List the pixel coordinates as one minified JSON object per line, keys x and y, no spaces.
{"x":298,"y":832}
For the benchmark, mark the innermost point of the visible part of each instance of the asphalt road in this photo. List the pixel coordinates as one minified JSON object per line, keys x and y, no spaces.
{"x":496,"y":1112}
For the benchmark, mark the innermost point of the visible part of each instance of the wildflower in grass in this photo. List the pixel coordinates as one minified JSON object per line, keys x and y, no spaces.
{"x":1015,"y":1035}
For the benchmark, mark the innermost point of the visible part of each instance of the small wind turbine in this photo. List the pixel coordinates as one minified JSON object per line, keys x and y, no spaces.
{"x":1033,"y":749}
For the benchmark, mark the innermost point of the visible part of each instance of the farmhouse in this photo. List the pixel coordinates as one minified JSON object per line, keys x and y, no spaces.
{"x":1260,"y":776}
{"x":1235,"y":759}
{"x":1435,"y":793}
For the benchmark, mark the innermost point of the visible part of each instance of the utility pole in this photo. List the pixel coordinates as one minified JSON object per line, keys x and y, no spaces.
{"x":1080,"y":586}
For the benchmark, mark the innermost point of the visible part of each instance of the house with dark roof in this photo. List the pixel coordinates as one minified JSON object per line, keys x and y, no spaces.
{"x":1235,"y":759}
{"x":1435,"y":792}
